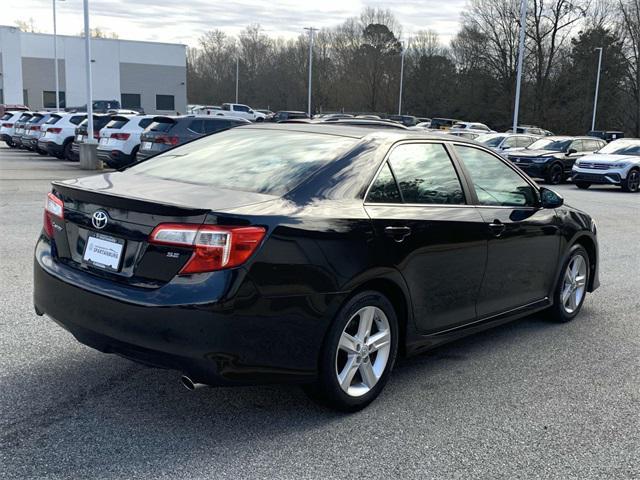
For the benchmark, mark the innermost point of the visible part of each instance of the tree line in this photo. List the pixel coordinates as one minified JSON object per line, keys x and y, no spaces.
{"x":356,"y":66}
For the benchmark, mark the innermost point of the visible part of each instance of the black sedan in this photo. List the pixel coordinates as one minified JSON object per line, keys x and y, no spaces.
{"x":552,"y":158}
{"x":306,"y":253}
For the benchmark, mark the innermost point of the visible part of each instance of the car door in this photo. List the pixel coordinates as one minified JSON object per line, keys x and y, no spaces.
{"x":570,"y":158}
{"x":426,"y":229}
{"x":523,"y":239}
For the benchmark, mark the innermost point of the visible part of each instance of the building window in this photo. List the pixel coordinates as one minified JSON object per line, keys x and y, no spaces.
{"x":49,"y":99}
{"x":25,"y":97}
{"x":1,"y":96}
{"x":131,"y":100}
{"x":165,"y":102}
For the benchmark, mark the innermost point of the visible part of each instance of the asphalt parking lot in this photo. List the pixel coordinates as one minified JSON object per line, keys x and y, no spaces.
{"x":532,"y":399}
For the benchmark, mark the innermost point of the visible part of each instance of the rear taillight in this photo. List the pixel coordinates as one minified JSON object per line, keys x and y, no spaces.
{"x":55,"y":130}
{"x":34,"y":128}
{"x":120,"y":136}
{"x":7,"y":125}
{"x":96,"y":134}
{"x":53,"y":207}
{"x":214,"y":247}
{"x":166,"y":140}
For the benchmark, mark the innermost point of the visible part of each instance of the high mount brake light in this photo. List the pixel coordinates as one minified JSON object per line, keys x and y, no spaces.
{"x":53,"y":207}
{"x":214,"y":247}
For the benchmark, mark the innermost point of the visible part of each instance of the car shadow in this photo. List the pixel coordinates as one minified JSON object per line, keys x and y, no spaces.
{"x":149,"y":411}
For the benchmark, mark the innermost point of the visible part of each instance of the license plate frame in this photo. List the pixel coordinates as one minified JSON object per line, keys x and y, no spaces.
{"x":104,"y":243}
{"x":146,"y":145}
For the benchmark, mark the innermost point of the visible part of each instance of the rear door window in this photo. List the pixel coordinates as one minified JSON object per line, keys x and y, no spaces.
{"x":577,"y":145}
{"x":384,"y":189}
{"x":53,"y":119}
{"x":211,"y":126}
{"x":425,"y":174}
{"x":196,"y":126}
{"x":117,"y":123}
{"x":524,"y":141}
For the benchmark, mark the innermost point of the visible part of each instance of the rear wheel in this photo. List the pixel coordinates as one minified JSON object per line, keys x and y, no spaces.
{"x":632,"y":182}
{"x":358,"y":354}
{"x":583,"y":185}
{"x":572,"y":286}
{"x":41,"y":152}
{"x":555,"y":174}
{"x":68,"y":154}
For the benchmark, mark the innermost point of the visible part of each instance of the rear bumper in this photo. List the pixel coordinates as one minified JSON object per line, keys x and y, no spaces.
{"x":114,"y":158}
{"x":51,"y":147}
{"x":30,"y":142}
{"x":143,"y":154}
{"x":226,"y":333}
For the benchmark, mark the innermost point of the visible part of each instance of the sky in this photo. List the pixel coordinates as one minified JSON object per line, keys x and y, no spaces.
{"x":183,"y":21}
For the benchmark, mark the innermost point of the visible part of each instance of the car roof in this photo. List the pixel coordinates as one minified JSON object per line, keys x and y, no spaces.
{"x":359,"y":132}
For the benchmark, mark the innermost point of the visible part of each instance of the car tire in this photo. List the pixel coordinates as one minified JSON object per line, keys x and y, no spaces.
{"x":41,"y":152}
{"x":259,"y":119}
{"x":632,"y":182}
{"x":356,"y":361}
{"x":583,"y":185}
{"x":571,"y":288}
{"x":555,"y":175}
{"x":68,"y":154}
{"x":134,"y":155}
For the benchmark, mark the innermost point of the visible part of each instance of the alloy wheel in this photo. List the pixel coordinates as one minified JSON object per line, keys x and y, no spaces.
{"x":574,"y":284}
{"x":363,"y":351}
{"x":556,"y":175}
{"x":633,"y":181}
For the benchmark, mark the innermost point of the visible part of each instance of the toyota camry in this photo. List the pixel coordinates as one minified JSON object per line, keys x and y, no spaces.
{"x":314,"y":254}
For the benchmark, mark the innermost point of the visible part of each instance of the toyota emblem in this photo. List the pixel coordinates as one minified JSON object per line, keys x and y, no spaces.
{"x":100,"y":219}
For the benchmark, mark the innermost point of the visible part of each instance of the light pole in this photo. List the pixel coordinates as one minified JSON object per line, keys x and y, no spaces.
{"x":237,"y":75}
{"x":523,"y":31}
{"x":595,"y":100}
{"x":311,"y":30}
{"x":402,"y":53}
{"x":55,"y":54}
{"x":87,"y":56}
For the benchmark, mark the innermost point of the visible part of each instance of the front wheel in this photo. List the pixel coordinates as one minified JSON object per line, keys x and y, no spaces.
{"x":555,"y":174}
{"x":572,"y":286}
{"x":358,"y":354}
{"x":583,"y":185}
{"x":632,"y":182}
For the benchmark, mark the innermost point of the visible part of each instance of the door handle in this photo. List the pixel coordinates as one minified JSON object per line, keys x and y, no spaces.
{"x":397,"y":233}
{"x":497,"y":228}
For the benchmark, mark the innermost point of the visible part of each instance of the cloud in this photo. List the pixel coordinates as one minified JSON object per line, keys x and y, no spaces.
{"x":185,"y":21}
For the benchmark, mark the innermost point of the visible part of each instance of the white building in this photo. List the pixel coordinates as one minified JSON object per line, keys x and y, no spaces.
{"x":146,"y":75}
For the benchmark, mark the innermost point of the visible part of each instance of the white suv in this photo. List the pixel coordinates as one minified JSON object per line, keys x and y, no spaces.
{"x":618,"y":163}
{"x":120,"y":139}
{"x":239,"y":110}
{"x":59,"y":132}
{"x":7,"y":126}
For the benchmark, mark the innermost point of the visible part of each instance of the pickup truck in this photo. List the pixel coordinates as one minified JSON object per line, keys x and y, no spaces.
{"x":238,"y":110}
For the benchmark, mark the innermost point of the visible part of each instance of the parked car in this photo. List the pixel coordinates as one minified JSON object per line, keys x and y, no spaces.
{"x":60,"y":133}
{"x":531,"y":130}
{"x":225,"y":256}
{"x":82,"y":133}
{"x":18,"y":129}
{"x":286,"y":115}
{"x":552,"y":158}
{"x":506,"y":142}
{"x":6,"y":107}
{"x":606,"y":135}
{"x":266,"y":112}
{"x":167,"y":132}
{"x":618,"y":163}
{"x":120,"y":139}
{"x":406,"y":120}
{"x":479,"y":128}
{"x":423,"y":120}
{"x":424,"y":125}
{"x":238,"y":110}
{"x":33,"y":130}
{"x":443,"y":123}
{"x":99,"y":106}
{"x":7,"y":125}
{"x":463,"y":133}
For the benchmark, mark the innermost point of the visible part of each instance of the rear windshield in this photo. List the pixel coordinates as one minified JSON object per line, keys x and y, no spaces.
{"x":24,"y":117}
{"x":145,"y":122}
{"x":267,"y":161}
{"x":76,"y":120}
{"x":52,"y":120}
{"x":118,"y":122}
{"x":35,"y":119}
{"x":161,"y":125}
{"x":6,"y":116}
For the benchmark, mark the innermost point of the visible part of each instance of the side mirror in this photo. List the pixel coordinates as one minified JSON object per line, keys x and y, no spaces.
{"x":550,"y":199}
{"x":572,"y":151}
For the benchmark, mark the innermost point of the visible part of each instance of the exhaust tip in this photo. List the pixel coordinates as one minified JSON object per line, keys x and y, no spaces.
{"x":189,"y":384}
